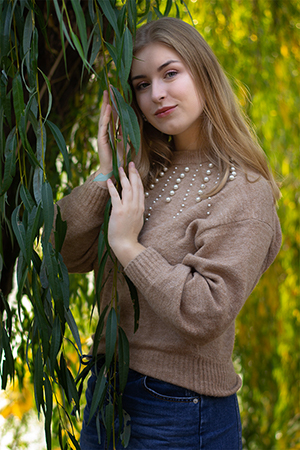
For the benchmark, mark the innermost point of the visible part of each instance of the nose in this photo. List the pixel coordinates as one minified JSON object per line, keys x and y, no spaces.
{"x":158,"y":91}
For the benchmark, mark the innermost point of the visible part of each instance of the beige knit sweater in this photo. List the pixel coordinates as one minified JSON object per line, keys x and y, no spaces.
{"x":201,"y":262}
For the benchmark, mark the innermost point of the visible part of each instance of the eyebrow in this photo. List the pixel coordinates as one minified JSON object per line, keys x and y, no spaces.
{"x":159,"y":69}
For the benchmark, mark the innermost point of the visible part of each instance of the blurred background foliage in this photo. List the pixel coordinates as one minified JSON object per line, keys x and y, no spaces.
{"x":257,"y":43}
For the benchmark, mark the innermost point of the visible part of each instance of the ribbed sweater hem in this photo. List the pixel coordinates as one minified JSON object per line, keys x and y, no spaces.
{"x":206,"y":377}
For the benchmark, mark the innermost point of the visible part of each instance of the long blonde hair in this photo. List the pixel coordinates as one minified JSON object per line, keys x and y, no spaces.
{"x":224,"y":131}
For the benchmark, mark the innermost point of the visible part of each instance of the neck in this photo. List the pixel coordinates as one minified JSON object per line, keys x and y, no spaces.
{"x":191,"y":140}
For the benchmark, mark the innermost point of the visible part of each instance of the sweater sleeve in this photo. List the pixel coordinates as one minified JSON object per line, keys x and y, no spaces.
{"x":83,"y":209}
{"x":201,"y":296}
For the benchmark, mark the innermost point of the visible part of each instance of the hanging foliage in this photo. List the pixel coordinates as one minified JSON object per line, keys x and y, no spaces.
{"x":57,"y":57}
{"x":94,"y":38}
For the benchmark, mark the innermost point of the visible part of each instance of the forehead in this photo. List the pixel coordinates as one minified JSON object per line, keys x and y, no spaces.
{"x":152,"y":56}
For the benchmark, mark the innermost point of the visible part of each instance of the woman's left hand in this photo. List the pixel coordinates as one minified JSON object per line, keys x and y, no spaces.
{"x":126,"y":218}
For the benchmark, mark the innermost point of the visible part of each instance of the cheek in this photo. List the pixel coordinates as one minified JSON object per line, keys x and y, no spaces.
{"x":143,"y":104}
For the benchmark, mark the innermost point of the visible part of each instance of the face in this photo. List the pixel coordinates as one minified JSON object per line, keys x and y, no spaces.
{"x":166,"y":94}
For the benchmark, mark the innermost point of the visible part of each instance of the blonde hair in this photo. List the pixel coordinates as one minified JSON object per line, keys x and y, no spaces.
{"x":224,"y":131}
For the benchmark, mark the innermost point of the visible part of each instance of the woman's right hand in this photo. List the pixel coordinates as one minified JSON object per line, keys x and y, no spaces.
{"x":105,"y":126}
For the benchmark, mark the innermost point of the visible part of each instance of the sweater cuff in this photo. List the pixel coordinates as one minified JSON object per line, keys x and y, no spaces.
{"x":92,"y":195}
{"x":147,"y":262}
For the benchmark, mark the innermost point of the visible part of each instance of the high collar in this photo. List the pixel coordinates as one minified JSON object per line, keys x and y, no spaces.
{"x":188,"y":157}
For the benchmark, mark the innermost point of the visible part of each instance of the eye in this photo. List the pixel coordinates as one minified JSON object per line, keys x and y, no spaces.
{"x":141,"y":86}
{"x":171,"y":74}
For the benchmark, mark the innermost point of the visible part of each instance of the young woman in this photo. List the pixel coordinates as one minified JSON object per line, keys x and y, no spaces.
{"x":195,"y":227}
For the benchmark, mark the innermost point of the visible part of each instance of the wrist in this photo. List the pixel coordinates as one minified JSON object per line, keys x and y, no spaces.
{"x":126,"y":251}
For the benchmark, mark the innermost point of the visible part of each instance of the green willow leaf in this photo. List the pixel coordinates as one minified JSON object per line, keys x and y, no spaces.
{"x":109,"y":13}
{"x":127,"y":52}
{"x":62,"y":25}
{"x":23,"y":123}
{"x":78,"y":47}
{"x":48,"y":209}
{"x":56,"y":339}
{"x":135,"y":301}
{"x":39,"y":313}
{"x":132,"y":15}
{"x":48,"y":408}
{"x":123,"y":355}
{"x":121,"y":107}
{"x":6,"y":29}
{"x":32,"y":229}
{"x":168,"y":7}
{"x":37,"y":302}
{"x":125,"y":435}
{"x":157,"y":12}
{"x":62,"y":376}
{"x":34,"y":54}
{"x":60,"y":230}
{"x":22,"y":273}
{"x":101,"y":245}
{"x":74,"y":441}
{"x":60,"y":437}
{"x":4,"y":374}
{"x":71,"y":388}
{"x":9,"y":360}
{"x":1,"y":126}
{"x":99,"y":330}
{"x":128,"y":119}
{"x":105,"y":225}
{"x":95,"y":36}
{"x":23,"y":134}
{"x":38,"y":379}
{"x":37,"y":264}
{"x":99,"y":393}
{"x":57,"y":134}
{"x":73,"y":327}
{"x":52,"y":271}
{"x":80,"y":20}
{"x":109,"y":417}
{"x":121,"y":17}
{"x":18,"y":97}
{"x":38,"y":177}
{"x":113,"y":53}
{"x":27,"y":36}
{"x":19,"y":231}
{"x":10,"y":161}
{"x":146,"y":12}
{"x":64,"y":280}
{"x":134,"y":129}
{"x":49,"y":94}
{"x":110,"y":337}
{"x":187,"y":9}
{"x":9,"y":314}
{"x":92,"y":11}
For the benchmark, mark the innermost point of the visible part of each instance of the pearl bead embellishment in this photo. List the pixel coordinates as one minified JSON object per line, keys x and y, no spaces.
{"x":175,"y":188}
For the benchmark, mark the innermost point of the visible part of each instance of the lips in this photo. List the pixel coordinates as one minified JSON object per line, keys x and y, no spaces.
{"x":161,"y":112}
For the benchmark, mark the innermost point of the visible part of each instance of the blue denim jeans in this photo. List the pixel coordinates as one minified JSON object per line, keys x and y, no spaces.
{"x":165,"y":416}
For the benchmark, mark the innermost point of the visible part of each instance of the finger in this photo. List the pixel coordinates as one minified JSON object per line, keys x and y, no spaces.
{"x":104,"y":113}
{"x":114,"y":106}
{"x":126,"y":186}
{"x":141,"y":193}
{"x":137,"y":186}
{"x":114,"y":195}
{"x":103,"y":106}
{"x":103,"y":123}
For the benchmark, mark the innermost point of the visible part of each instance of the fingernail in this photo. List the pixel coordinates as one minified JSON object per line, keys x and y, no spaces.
{"x":131,"y":164}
